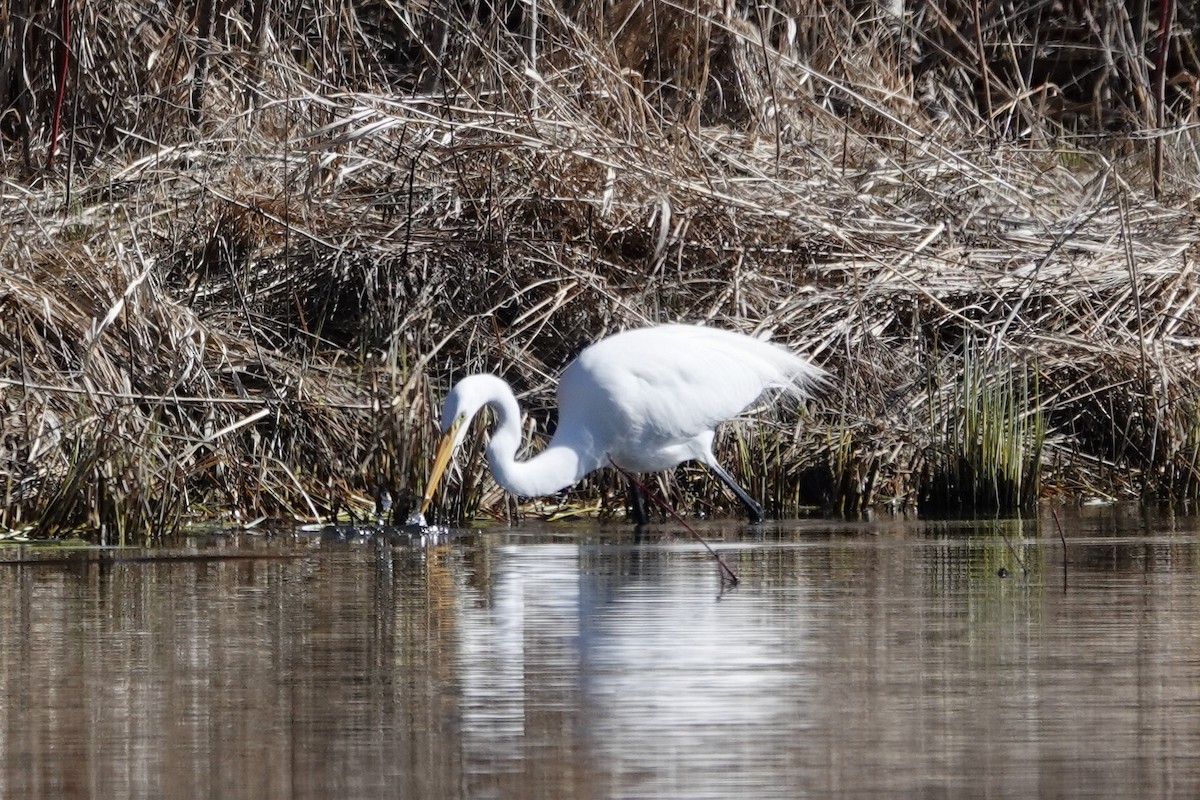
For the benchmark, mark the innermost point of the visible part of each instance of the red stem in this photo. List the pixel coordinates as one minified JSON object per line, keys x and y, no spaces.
{"x":1165,"y":11}
{"x":728,"y":573}
{"x":64,"y":61}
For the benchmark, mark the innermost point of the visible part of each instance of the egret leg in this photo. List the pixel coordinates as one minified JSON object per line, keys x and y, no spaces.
{"x":637,"y":505}
{"x":753,"y":510}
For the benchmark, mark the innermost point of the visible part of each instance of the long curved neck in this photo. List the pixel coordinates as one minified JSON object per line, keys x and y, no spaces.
{"x":555,"y":468}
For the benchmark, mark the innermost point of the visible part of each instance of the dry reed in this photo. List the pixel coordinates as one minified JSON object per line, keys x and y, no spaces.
{"x":275,"y":233}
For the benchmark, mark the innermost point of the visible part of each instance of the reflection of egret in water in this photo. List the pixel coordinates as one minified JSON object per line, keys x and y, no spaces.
{"x":680,"y":679}
{"x":515,"y":641}
{"x":637,"y":668}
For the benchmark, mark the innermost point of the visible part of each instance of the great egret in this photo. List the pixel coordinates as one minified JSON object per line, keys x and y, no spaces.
{"x":644,"y":400}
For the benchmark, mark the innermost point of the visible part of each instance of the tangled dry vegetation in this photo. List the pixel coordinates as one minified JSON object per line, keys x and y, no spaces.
{"x":247,"y":245}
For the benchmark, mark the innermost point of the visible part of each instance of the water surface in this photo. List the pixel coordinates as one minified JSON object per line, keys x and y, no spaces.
{"x":854,"y":659}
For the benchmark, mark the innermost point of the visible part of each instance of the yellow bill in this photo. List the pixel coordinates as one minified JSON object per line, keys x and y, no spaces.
{"x":441,"y":459}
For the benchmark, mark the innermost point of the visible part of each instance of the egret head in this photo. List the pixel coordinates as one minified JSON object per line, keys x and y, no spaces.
{"x":465,"y":400}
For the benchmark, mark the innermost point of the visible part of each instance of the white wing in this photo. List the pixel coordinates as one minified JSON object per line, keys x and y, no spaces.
{"x":647,"y":391}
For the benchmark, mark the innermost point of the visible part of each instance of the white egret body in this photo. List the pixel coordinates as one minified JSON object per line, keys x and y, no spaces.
{"x":646,"y":399}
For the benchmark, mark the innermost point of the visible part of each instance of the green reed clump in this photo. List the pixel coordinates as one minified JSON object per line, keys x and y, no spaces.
{"x":854,"y":471}
{"x":989,"y":430}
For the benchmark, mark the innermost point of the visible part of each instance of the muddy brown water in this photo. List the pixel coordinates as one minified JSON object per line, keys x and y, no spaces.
{"x":882,"y":658}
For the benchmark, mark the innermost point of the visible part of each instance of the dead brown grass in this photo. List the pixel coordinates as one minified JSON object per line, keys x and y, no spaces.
{"x":272,"y":238}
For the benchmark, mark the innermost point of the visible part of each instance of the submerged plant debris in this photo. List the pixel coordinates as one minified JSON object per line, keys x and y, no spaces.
{"x":245,"y":250}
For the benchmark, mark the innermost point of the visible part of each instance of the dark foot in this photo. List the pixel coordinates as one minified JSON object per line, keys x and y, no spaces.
{"x":637,"y":505}
{"x":753,"y":510}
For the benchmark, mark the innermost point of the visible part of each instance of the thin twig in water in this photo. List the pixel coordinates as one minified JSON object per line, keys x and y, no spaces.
{"x":1013,"y":552}
{"x":729,"y":574}
{"x":1062,"y":539}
